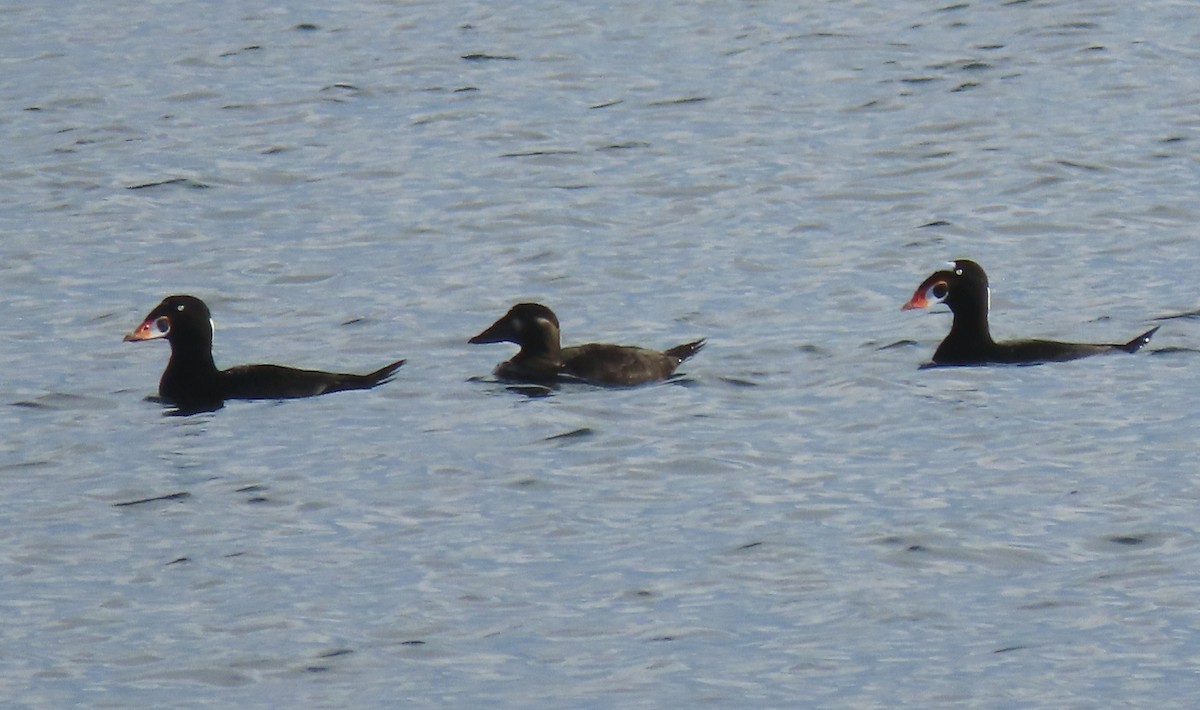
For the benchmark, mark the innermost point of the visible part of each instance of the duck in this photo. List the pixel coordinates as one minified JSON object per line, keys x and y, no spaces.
{"x":543,"y":360}
{"x":192,"y":381}
{"x":964,"y":288}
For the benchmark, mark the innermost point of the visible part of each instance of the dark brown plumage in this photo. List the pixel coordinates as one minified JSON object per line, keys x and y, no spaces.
{"x":543,"y":360}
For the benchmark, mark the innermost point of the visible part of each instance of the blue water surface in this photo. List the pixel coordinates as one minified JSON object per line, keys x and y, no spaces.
{"x":805,"y":519}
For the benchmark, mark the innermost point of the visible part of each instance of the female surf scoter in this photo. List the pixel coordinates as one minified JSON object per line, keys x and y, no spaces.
{"x":192,"y":382}
{"x":964,"y":288}
{"x":543,"y":360}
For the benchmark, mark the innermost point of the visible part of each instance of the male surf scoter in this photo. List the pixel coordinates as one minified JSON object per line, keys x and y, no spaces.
{"x":193,"y":382}
{"x":964,"y":288}
{"x":543,"y":360}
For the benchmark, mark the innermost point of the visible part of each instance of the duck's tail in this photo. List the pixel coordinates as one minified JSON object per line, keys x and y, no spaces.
{"x":683,"y":352}
{"x":1136,"y":344}
{"x":380,"y":376}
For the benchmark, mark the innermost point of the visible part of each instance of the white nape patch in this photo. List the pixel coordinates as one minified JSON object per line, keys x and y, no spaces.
{"x":989,"y":300}
{"x":212,"y":328}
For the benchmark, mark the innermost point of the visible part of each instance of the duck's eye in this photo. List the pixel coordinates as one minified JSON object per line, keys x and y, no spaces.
{"x":163,"y":324}
{"x":939,"y":290}
{"x":958,"y":271}
{"x":180,"y":308}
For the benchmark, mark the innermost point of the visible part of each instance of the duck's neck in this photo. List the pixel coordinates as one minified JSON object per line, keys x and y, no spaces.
{"x":971,"y":320}
{"x":544,"y":346}
{"x":191,"y":374}
{"x":197,"y":361}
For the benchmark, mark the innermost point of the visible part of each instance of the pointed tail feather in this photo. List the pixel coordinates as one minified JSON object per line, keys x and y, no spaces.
{"x":683,"y":352}
{"x":1136,"y":344}
{"x":380,"y":376}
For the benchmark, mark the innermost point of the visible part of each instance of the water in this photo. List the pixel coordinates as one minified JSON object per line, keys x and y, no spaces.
{"x":806,"y":520}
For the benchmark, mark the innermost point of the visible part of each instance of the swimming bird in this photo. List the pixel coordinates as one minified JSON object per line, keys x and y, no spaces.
{"x":543,"y":360}
{"x":193,"y":382}
{"x":964,"y":288}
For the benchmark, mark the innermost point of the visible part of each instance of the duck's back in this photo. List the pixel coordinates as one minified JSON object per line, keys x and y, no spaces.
{"x":279,"y":382}
{"x":957,"y":351}
{"x":600,"y":363}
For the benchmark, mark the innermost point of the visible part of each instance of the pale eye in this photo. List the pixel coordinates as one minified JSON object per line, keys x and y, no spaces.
{"x":939,"y":290}
{"x":163,"y":324}
{"x":958,"y":272}
{"x":180,"y":308}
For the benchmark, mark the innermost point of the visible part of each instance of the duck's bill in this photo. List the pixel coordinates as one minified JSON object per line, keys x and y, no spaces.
{"x":150,"y":329}
{"x":918,"y":300}
{"x":498,"y":332}
{"x":933,"y":290}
